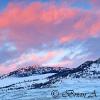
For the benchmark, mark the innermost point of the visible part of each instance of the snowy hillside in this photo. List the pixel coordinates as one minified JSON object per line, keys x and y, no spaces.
{"x":31,"y":70}
{"x":37,"y":83}
{"x":23,"y":82}
{"x":89,"y":69}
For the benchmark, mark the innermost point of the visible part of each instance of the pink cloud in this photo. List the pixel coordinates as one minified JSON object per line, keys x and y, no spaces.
{"x":40,"y":23}
{"x":67,"y":38}
{"x":34,"y":13}
{"x":7,"y":69}
{"x":35,"y":22}
{"x":87,"y":26}
{"x":25,"y":59}
{"x":96,"y":4}
{"x":95,"y":28}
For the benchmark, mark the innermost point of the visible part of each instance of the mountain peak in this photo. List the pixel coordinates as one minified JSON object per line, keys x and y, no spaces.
{"x":98,"y":60}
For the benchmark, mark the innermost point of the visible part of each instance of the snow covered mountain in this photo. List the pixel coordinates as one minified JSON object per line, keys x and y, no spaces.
{"x":29,"y":78}
{"x":34,"y":70}
{"x":89,"y":69}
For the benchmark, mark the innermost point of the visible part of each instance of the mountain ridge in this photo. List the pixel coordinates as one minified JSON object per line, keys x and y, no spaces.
{"x":30,"y":70}
{"x":87,"y":70}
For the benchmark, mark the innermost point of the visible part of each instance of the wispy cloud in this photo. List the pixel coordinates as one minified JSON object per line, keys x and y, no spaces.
{"x":47,"y":27}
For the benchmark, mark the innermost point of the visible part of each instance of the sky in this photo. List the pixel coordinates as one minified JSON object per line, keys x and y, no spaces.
{"x":62,"y":33}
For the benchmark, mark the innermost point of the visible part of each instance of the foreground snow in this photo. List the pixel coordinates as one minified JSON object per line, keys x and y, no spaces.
{"x":14,"y":80}
{"x":77,"y":85}
{"x":81,"y":83}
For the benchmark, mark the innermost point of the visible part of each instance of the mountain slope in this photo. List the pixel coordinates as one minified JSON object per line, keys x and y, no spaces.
{"x":22,"y":76}
{"x":89,"y":69}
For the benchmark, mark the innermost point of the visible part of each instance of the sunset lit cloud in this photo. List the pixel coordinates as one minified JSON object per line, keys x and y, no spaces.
{"x":59,"y":32}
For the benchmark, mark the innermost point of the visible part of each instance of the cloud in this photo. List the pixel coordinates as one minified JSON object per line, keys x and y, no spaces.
{"x":40,"y":23}
{"x":46,"y":26}
{"x":95,"y":4}
{"x":36,"y":23}
{"x":45,"y":58}
{"x":56,"y":57}
{"x":25,"y":59}
{"x":34,"y":13}
{"x":4,"y":69}
{"x":30,"y":58}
